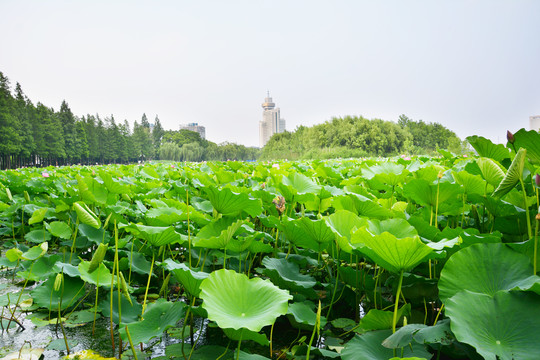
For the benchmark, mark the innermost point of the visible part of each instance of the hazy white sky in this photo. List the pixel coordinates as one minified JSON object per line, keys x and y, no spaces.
{"x":473,"y":66}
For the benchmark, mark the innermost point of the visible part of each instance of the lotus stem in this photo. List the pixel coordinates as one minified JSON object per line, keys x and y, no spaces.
{"x":239,"y":343}
{"x":118,"y":285}
{"x":131,"y":344}
{"x":147,"y":286}
{"x":439,"y":313}
{"x":529,"y":229}
{"x":74,"y":240}
{"x":394,"y":321}
{"x":536,"y":243}
{"x":271,"y":336}
{"x":20,"y":294}
{"x":111,"y":307}
{"x":188,"y":229}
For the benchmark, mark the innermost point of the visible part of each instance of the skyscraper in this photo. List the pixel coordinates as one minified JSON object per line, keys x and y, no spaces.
{"x":534,"y":122}
{"x":271,"y":122}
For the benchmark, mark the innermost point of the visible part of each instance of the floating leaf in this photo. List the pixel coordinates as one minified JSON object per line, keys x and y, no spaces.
{"x":59,"y":229}
{"x":513,"y":175}
{"x":158,"y":317}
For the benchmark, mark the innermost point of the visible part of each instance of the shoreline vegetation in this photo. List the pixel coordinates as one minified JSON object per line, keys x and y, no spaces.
{"x":37,"y":135}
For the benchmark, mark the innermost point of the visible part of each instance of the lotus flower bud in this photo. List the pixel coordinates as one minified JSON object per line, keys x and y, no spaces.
{"x":98,"y":257}
{"x":510,"y":137}
{"x":537,"y":180}
{"x":440,"y":174}
{"x":58,"y":281}
{"x":279,"y":202}
{"x":538,"y":217}
{"x":124,"y":288}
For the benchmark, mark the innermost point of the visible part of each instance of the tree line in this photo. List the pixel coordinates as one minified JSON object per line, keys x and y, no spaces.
{"x":37,"y":135}
{"x":356,"y":136}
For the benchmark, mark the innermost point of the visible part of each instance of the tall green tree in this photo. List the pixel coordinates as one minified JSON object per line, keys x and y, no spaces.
{"x":67,"y":119}
{"x":157,"y":134}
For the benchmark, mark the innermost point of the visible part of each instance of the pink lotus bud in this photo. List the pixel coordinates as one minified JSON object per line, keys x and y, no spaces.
{"x":510,"y":137}
{"x":537,"y":180}
{"x":275,"y":166}
{"x":45,"y":174}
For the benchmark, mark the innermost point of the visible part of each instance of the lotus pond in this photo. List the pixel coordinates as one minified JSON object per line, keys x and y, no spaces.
{"x":424,"y":258}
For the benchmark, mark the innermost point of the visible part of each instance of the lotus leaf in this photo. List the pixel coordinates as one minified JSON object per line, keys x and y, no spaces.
{"x":37,"y":236}
{"x":529,"y":140}
{"x":490,"y":268}
{"x":156,"y":235}
{"x":191,"y":280}
{"x":45,"y":296}
{"x":235,"y":301}
{"x":286,"y":274}
{"x":513,"y":175}
{"x":503,"y":326}
{"x":229,"y":203}
{"x":484,"y":147}
{"x":368,"y":347}
{"x":101,"y":275}
{"x":394,"y":252}
{"x":59,"y":229}
{"x":159,"y":316}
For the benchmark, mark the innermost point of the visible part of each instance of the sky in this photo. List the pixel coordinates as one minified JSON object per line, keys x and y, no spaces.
{"x":472,"y":66}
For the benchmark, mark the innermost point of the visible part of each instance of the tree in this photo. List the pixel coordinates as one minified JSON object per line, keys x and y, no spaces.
{"x":157,"y":134}
{"x":67,"y":119}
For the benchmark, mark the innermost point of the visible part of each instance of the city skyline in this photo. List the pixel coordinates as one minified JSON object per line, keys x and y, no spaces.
{"x":271,"y":122}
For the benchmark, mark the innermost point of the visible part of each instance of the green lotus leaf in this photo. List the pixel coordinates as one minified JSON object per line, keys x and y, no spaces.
{"x":302,"y":316}
{"x":46,"y":297}
{"x":113,"y":185}
{"x":297,"y":184}
{"x":504,"y":326}
{"x":234,"y":301}
{"x":164,"y":216}
{"x":138,"y":263}
{"x":286,"y":274}
{"x":86,"y":216}
{"x":368,"y":346}
{"x":14,"y":254}
{"x":38,"y":215}
{"x":472,"y":184}
{"x":490,"y":268}
{"x":403,"y":336}
{"x":159,"y":316}
{"x":491,"y":171}
{"x":131,"y":311}
{"x":387,"y":172}
{"x":229,"y":203}
{"x":485,"y":148}
{"x":156,"y":235}
{"x":35,"y":252}
{"x":529,"y":140}
{"x":101,"y":275}
{"x":218,"y":234}
{"x":389,"y":243}
{"x":245,"y":334}
{"x":191,"y":280}
{"x":59,"y":229}
{"x":307,"y":233}
{"x":91,"y":191}
{"x":41,"y":268}
{"x":94,"y":235}
{"x":381,"y":319}
{"x":343,"y":223}
{"x":37,"y":236}
{"x":425,"y":193}
{"x":513,"y":175}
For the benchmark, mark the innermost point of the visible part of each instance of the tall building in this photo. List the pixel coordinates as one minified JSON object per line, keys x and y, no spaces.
{"x":194,"y":127}
{"x":271,"y":122}
{"x":534,"y":122}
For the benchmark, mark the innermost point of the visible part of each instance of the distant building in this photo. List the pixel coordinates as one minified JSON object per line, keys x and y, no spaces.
{"x":271,"y":122}
{"x":194,"y":127}
{"x":534,"y":122}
